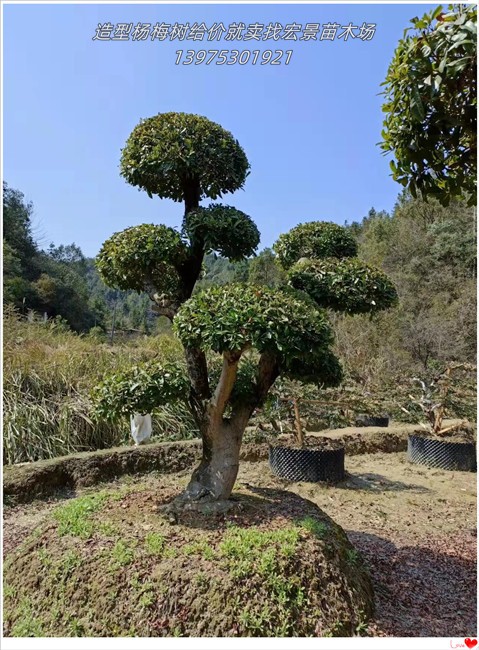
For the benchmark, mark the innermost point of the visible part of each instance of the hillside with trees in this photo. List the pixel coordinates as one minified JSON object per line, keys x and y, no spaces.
{"x":427,"y":249}
{"x":430,"y":253}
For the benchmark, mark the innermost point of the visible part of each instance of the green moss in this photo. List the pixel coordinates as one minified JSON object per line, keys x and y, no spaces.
{"x":250,"y":549}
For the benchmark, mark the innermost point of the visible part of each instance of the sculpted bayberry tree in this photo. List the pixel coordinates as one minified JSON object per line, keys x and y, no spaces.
{"x":238,"y":338}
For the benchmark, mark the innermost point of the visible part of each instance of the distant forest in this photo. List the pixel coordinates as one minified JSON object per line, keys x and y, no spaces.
{"x":429,"y":251}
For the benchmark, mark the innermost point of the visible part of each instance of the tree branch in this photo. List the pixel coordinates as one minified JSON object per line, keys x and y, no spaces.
{"x":267,"y":373}
{"x":163,"y":310}
{"x":225,"y":385}
{"x":198,"y":373}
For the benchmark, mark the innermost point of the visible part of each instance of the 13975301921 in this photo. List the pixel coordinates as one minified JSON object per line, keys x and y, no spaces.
{"x":232,"y":57}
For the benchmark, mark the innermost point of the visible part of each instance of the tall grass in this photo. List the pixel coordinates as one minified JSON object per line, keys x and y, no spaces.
{"x":48,"y":373}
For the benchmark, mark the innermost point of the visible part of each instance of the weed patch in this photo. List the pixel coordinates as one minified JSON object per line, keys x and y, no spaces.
{"x":75,"y":517}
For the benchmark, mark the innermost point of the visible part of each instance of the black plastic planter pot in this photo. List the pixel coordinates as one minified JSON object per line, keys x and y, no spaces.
{"x":311,"y":465}
{"x":442,"y":453}
{"x":371,"y":421}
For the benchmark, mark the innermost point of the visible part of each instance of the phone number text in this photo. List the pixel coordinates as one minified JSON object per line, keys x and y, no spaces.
{"x":232,"y":57}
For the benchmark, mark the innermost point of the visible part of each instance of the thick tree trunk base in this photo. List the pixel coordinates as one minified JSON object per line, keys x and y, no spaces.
{"x":211,"y":484}
{"x":208,"y":506}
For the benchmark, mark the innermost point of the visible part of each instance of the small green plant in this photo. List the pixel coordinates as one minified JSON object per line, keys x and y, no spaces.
{"x":77,"y":628}
{"x":200,"y":547}
{"x":252,"y":551}
{"x":317,"y":528}
{"x":74,"y":518}
{"x":121,"y":555}
{"x":155,"y":543}
{"x":28,"y":625}
{"x":352,"y":557}
{"x":108,"y":529}
{"x":362,"y":626}
{"x":249,"y":549}
{"x":45,"y":558}
{"x":255,"y":621}
{"x":201,"y":580}
{"x":336,"y":629}
{"x":147,"y":598}
{"x":65,"y":564}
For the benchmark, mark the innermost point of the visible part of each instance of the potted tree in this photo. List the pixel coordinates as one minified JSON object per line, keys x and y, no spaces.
{"x":320,"y":261}
{"x":239,"y":338}
{"x":452,"y":447}
{"x":306,"y":458}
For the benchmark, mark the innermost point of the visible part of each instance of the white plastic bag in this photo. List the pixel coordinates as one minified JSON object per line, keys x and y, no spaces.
{"x":140,"y":427}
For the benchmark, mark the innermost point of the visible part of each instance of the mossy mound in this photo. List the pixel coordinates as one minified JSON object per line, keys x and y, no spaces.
{"x":107,"y":564}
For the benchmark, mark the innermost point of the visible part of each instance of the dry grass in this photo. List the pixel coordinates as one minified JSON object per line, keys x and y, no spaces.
{"x":48,"y":373}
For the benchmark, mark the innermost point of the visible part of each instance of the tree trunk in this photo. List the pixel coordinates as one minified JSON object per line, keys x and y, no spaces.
{"x":191,"y":193}
{"x":214,"y":478}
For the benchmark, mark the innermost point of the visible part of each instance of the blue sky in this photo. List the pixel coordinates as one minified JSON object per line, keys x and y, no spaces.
{"x":309,"y":128}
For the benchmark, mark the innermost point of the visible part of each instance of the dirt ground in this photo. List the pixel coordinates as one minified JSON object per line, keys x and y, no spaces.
{"x":415,"y":526}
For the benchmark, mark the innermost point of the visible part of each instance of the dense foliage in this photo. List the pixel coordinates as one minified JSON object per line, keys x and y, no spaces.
{"x":51,"y":282}
{"x":429,"y":252}
{"x":142,"y":258}
{"x":141,"y":389}
{"x":222,"y":229}
{"x":344,"y":285}
{"x":312,"y":240}
{"x":431,"y":105}
{"x":236,"y":317}
{"x":170,"y":152}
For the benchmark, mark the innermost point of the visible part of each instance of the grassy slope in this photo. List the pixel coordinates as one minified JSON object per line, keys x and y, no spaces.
{"x":106,"y":564}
